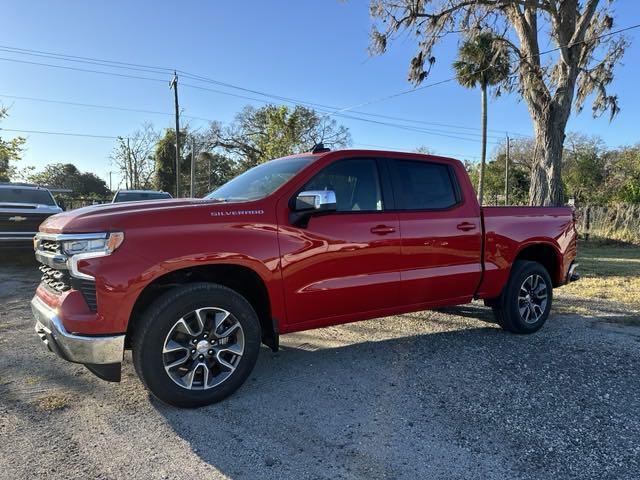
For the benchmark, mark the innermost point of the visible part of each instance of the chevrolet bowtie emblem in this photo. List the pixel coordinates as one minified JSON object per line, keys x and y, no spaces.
{"x":17,"y":219}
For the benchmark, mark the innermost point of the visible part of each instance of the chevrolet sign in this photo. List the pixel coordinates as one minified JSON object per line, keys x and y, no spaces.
{"x":17,"y":219}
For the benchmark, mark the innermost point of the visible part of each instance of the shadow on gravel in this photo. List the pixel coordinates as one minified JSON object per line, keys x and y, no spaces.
{"x":473,"y":403}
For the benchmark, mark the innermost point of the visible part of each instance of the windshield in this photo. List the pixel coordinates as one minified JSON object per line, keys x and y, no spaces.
{"x":26,"y":195}
{"x":260,"y":181}
{"x":136,"y":196}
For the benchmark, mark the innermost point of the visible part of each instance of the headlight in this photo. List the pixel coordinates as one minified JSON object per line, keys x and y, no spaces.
{"x":107,"y":244}
{"x":86,"y":246}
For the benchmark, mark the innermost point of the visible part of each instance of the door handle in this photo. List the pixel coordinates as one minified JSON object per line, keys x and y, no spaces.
{"x":382,"y":230}
{"x":465,"y":226}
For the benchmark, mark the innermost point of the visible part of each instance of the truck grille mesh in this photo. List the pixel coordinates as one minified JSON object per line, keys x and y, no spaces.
{"x":59,"y":281}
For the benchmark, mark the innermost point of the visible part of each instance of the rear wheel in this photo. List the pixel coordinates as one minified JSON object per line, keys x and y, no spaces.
{"x":525,"y":303}
{"x":196,"y":344}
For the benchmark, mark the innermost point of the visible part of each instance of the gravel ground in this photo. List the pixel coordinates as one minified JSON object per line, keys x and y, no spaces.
{"x":427,"y":395}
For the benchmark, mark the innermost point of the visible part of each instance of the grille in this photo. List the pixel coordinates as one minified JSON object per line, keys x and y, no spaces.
{"x":59,"y":281}
{"x":22,"y":221}
{"x":50,"y":246}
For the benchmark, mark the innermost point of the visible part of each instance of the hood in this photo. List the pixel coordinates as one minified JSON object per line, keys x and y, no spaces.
{"x":110,"y":216}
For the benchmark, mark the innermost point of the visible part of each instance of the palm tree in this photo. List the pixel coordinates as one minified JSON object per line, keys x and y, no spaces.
{"x":482,"y":62}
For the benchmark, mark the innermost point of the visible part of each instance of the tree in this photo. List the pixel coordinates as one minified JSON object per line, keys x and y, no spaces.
{"x":134,"y":157}
{"x":584,"y":172}
{"x":212,"y":170}
{"x":623,"y":173}
{"x":550,"y":88}
{"x":261,"y":134}
{"x":165,"y":160}
{"x":494,"y":180}
{"x":482,"y":61}
{"x":10,"y":150}
{"x":67,"y":176}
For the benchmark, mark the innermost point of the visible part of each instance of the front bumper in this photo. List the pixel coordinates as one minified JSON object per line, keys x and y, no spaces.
{"x":89,"y":350}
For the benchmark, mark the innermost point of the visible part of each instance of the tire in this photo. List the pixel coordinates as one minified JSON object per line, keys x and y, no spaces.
{"x":213,"y":365}
{"x":525,"y":302}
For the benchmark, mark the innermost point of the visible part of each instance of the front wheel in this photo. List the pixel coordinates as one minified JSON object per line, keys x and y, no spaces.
{"x":196,"y":344}
{"x":526,"y":300}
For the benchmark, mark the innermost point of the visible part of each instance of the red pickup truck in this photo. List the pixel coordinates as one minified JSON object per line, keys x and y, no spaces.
{"x":194,"y":286}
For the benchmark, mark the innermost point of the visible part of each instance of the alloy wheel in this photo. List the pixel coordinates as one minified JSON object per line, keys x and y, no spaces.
{"x":203,"y":348}
{"x":532,"y":298}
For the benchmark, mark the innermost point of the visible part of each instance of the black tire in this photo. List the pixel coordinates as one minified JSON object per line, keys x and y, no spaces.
{"x":158,"y":321}
{"x":507,"y":310}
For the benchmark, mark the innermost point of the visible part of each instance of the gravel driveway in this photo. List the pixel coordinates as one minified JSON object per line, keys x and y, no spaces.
{"x":426,"y":395}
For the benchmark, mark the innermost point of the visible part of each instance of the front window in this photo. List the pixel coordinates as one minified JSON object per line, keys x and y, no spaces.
{"x":355,"y":183}
{"x":260,"y":181}
{"x":26,"y":195}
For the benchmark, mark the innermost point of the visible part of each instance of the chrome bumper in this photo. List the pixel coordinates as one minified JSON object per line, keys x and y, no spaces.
{"x":572,"y":274}
{"x":74,"y":348}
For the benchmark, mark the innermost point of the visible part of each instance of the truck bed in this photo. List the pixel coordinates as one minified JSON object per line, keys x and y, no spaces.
{"x":510,"y":230}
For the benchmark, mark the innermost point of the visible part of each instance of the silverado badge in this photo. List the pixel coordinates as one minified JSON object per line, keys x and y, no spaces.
{"x":17,"y":219}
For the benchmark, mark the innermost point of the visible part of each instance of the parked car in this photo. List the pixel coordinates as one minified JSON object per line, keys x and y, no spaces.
{"x":193,"y":286}
{"x":139,"y":195}
{"x":22,"y":209}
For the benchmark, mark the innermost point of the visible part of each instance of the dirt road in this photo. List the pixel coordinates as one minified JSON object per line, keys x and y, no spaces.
{"x":428,"y":395}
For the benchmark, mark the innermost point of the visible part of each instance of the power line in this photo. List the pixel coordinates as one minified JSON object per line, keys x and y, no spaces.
{"x":443,"y":133}
{"x":46,"y":132}
{"x":440,"y":82}
{"x":93,"y":105}
{"x":164,"y":70}
{"x":77,"y":69}
{"x":386,"y":147}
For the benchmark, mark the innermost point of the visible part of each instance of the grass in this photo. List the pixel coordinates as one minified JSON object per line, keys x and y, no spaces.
{"x":53,"y":402}
{"x":610,"y":272}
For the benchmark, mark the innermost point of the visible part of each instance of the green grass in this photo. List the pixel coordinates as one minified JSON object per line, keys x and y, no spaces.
{"x":609,"y":272}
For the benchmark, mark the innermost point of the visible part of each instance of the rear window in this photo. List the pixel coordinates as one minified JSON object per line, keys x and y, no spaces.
{"x":423,"y":185}
{"x":137,"y":196}
{"x":26,"y":195}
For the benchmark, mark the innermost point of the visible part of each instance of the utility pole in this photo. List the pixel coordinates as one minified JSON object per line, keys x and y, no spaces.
{"x":506,"y":174}
{"x":174,"y":84}
{"x":193,"y":166}
{"x":130,"y":167}
{"x":110,"y":189}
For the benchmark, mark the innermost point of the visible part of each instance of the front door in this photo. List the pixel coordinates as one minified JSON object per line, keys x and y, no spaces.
{"x":342,"y":264}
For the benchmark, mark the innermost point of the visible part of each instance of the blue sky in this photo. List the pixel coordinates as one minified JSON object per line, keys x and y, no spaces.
{"x":309,"y":50}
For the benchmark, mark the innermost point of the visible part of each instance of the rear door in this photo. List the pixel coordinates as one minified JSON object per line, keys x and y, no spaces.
{"x":441,"y":240}
{"x":345,"y":263}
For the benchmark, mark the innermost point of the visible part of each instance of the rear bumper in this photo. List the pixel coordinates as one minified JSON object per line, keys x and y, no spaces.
{"x":572,"y":273}
{"x":92,"y":350}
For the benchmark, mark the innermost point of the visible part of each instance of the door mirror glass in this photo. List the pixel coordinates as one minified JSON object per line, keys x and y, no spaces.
{"x":316,"y":201}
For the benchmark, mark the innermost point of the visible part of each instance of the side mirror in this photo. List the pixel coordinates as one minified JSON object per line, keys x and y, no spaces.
{"x":318,"y":200}
{"x":312,"y":202}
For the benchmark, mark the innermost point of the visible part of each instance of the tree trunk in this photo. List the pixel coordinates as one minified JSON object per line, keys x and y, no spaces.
{"x":546,"y":182}
{"x":483,"y":155}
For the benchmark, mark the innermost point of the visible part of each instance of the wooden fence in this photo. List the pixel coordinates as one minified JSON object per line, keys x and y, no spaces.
{"x":613,"y":222}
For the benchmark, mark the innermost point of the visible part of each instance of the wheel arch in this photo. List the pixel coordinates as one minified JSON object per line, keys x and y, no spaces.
{"x":545,"y":253}
{"x":240,"y":278}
